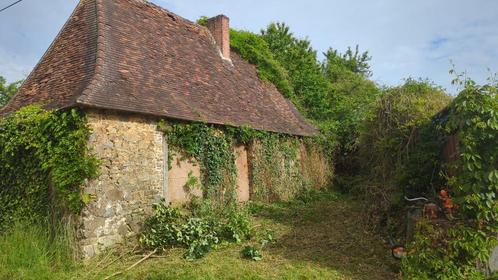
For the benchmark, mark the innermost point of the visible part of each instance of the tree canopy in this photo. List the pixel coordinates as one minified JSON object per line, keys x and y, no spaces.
{"x":7,"y":90}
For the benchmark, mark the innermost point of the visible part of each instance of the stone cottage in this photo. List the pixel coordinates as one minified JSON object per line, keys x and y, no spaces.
{"x":129,"y":64}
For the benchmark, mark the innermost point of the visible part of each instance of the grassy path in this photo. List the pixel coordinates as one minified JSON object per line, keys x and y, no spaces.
{"x":318,"y":240}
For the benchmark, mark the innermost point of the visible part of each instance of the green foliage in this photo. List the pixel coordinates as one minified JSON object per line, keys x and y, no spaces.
{"x":213,"y":150}
{"x":336,"y":94}
{"x":433,"y":257}
{"x":275,"y":170}
{"x":275,"y":176}
{"x":311,"y":88}
{"x":250,"y":252}
{"x":192,"y":182}
{"x":474,"y":117}
{"x":353,"y":99}
{"x":400,"y":146}
{"x":199,"y":233}
{"x":7,"y":90}
{"x":202,"y":20}
{"x":353,"y":61}
{"x":457,"y":251}
{"x":44,"y":160}
{"x":254,"y":49}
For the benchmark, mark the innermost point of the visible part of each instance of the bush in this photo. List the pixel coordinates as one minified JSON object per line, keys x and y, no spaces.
{"x":44,"y":161}
{"x":168,"y":227}
{"x":461,"y":249}
{"x":399,"y":144}
{"x":399,"y":147}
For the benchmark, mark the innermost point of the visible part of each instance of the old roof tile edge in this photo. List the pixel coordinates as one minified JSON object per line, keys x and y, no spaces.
{"x":49,"y":49}
{"x":99,"y":58}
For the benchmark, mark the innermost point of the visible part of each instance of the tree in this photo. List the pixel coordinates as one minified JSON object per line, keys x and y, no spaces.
{"x":7,"y":90}
{"x":353,"y":61}
{"x":352,"y":99}
{"x":297,"y":56}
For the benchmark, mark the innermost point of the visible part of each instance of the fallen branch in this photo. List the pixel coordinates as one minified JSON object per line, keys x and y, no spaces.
{"x":132,"y":266}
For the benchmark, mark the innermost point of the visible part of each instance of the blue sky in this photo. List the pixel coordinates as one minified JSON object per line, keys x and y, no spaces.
{"x":405,"y":38}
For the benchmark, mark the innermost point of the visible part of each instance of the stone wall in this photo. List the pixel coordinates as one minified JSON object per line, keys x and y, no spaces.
{"x":134,"y":175}
{"x":131,"y":178}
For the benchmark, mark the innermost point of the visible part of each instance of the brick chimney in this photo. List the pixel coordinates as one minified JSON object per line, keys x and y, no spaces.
{"x":220,"y":29}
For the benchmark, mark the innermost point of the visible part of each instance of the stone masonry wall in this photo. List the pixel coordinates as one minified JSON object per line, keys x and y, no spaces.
{"x":131,"y":178}
{"x":134,"y":175}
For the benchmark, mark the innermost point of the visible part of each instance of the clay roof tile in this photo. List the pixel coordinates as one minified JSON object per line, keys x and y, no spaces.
{"x":133,"y":56}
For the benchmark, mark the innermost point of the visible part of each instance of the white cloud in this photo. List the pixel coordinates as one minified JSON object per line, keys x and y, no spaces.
{"x":400,"y":35}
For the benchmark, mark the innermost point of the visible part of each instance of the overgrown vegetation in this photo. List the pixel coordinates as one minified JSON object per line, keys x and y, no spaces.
{"x":44,"y":162}
{"x":31,"y":251}
{"x":384,"y":143}
{"x":334,"y":94}
{"x":276,"y":172}
{"x":217,"y":218}
{"x":213,"y":151}
{"x":168,"y":227}
{"x":461,"y":249}
{"x":399,"y":148}
{"x":306,"y":242}
{"x":255,"y":49}
{"x":7,"y":90}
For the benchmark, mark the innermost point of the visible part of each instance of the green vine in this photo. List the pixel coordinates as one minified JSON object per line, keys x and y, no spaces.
{"x":276,"y":173}
{"x":461,"y":249}
{"x":44,"y":161}
{"x":213,"y":150}
{"x":276,"y":170}
{"x":217,"y":217}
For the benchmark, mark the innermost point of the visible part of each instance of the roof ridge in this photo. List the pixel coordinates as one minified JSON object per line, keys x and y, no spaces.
{"x":162,"y":9}
{"x":99,"y":56}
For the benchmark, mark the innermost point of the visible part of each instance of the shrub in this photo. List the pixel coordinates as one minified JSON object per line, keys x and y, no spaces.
{"x":168,"y":227}
{"x":461,"y":249}
{"x":44,"y":160}
{"x":399,"y":147}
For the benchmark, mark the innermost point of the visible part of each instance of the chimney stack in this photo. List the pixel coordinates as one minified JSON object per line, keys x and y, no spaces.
{"x":220,"y":29}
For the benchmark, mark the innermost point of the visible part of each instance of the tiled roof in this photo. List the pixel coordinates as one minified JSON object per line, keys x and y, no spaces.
{"x":133,"y":56}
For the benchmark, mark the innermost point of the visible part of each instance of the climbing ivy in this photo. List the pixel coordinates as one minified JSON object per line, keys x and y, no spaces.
{"x":44,"y":161}
{"x":217,"y":217}
{"x":213,"y":150}
{"x":461,"y":249}
{"x":275,"y":173}
{"x":276,"y":169}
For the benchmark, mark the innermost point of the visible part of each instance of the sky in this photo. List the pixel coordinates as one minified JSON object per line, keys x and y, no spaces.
{"x":406,"y":38}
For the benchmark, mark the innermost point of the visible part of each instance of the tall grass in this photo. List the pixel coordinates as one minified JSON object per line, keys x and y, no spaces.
{"x":29,"y":251}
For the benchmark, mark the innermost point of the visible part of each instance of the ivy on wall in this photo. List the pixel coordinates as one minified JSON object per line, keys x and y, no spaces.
{"x":213,"y":150}
{"x":217,"y":218}
{"x":276,"y":170}
{"x":44,"y":161}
